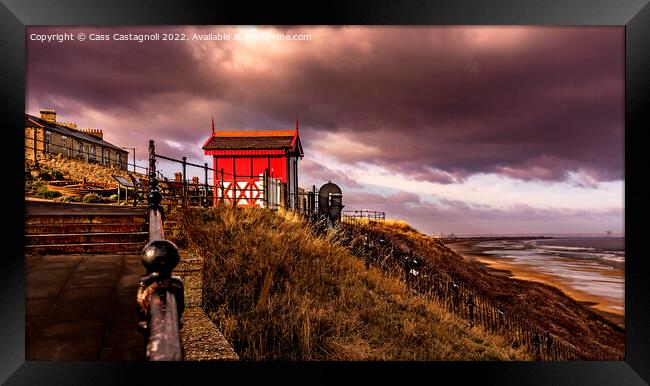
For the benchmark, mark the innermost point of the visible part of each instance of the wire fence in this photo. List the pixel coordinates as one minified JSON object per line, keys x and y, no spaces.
{"x":456,"y":296}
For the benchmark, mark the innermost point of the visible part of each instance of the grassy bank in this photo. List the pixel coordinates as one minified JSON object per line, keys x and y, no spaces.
{"x":278,"y":291}
{"x":540,"y":305}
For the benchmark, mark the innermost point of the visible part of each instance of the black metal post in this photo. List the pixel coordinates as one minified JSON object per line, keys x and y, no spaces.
{"x":151,"y":170}
{"x":234,"y":188}
{"x":221,"y":187}
{"x":205,"y":169}
{"x":160,"y":295}
{"x":184,"y":179}
{"x":266,"y":190}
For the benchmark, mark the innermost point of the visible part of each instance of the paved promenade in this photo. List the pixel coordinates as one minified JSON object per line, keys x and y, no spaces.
{"x":82,"y":307}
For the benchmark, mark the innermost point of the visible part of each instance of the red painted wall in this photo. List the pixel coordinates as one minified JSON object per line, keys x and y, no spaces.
{"x":242,"y":166}
{"x":279,"y":168}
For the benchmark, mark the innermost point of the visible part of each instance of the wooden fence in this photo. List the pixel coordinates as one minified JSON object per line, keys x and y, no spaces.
{"x":456,"y":296}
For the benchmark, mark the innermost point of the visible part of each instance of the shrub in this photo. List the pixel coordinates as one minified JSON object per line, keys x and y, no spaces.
{"x":91,"y":198}
{"x":33,"y":186}
{"x":68,"y":199}
{"x":44,"y":175}
{"x":50,"y":174}
{"x":57,"y":175}
{"x":113,"y":197}
{"x":44,"y":192}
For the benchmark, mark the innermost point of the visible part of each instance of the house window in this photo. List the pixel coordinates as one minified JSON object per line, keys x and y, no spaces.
{"x":48,"y":140}
{"x":118,"y":159}
{"x":92,"y":153}
{"x":80,"y":147}
{"x":64,"y":144}
{"x":108,"y":157}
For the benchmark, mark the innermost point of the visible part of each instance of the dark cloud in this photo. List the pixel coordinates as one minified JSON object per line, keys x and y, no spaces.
{"x":445,"y":216}
{"x":313,"y":173}
{"x":436,"y":104}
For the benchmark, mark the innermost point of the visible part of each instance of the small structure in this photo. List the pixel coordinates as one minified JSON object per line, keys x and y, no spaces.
{"x":255,"y":168}
{"x":330,"y":202}
{"x":44,"y":135}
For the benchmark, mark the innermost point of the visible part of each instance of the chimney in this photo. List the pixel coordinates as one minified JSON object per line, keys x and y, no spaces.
{"x":178,"y":177}
{"x":48,"y":115}
{"x":94,"y":132}
{"x":69,"y":125}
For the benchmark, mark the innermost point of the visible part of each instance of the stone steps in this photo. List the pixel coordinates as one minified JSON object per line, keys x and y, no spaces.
{"x":67,"y":228}
{"x":84,"y":219}
{"x":56,"y":229}
{"x":58,"y":249}
{"x":85,"y":238}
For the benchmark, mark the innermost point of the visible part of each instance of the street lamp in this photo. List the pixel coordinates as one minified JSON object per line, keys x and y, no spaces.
{"x":127,"y":161}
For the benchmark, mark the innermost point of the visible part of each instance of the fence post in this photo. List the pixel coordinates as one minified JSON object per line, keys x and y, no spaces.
{"x":205,"y":169}
{"x":234,"y":188}
{"x":222,"y":189}
{"x":184,"y":179}
{"x":151,"y":170}
{"x":266,"y":187}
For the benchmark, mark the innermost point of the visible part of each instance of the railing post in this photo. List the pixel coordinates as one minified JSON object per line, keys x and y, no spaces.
{"x":234,"y":189}
{"x":265,"y":184}
{"x":222,"y":188}
{"x":160,"y":295}
{"x":184,"y":179}
{"x":151,"y":170}
{"x":205,"y":169}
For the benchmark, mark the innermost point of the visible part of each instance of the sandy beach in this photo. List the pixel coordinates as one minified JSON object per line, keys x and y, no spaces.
{"x":610,"y":308}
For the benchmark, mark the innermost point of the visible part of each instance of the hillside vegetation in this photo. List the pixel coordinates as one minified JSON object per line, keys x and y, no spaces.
{"x":540,"y":305}
{"x":278,"y":290}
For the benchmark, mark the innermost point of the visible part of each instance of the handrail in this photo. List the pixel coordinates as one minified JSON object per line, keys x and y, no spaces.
{"x":160,"y":295}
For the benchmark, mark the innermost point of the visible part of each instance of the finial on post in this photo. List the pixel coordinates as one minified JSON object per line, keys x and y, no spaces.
{"x":160,"y":257}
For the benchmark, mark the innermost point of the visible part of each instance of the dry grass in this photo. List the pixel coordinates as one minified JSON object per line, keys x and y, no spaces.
{"x":280,"y":292}
{"x":538,"y":304}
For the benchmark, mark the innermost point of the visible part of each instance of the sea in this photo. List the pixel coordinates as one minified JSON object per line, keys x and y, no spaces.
{"x":590,"y":266}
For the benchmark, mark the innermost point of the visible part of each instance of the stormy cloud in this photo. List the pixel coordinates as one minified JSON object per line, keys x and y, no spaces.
{"x":434,"y":104}
{"x":438,"y":104}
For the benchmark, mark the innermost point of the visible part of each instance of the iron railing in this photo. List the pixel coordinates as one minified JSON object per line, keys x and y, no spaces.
{"x":226,"y":189}
{"x":365,"y":213}
{"x":160,"y":295}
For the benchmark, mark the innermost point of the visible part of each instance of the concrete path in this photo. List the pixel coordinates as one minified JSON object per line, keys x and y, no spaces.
{"x":83,"y":307}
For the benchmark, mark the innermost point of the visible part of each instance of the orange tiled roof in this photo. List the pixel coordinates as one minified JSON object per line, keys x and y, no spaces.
{"x":273,"y":133}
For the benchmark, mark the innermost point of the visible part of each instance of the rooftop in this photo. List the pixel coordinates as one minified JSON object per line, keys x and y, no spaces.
{"x":254,"y":140}
{"x":32,"y":121}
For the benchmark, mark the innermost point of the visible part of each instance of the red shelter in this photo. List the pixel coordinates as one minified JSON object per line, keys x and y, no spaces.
{"x":255,"y":168}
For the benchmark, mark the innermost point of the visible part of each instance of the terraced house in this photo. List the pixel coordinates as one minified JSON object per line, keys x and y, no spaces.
{"x":44,"y":135}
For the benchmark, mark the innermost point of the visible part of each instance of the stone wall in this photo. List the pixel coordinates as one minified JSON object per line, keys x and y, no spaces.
{"x":77,"y":170}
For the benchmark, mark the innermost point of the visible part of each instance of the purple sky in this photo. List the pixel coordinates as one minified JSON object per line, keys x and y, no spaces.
{"x":454,"y":129}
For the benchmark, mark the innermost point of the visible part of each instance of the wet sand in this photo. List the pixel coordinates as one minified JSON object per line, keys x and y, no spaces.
{"x":502,"y":267}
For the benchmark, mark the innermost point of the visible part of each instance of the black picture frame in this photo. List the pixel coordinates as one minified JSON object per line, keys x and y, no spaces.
{"x":16,"y":14}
